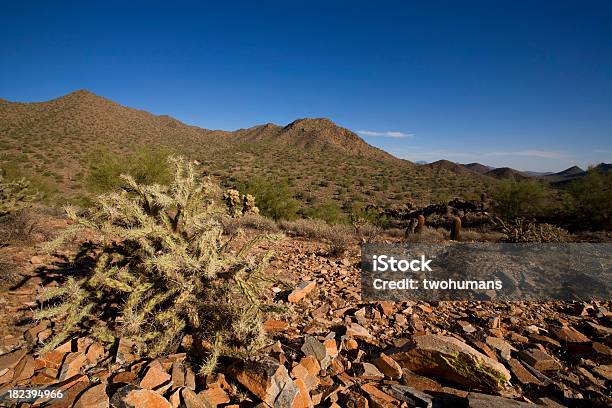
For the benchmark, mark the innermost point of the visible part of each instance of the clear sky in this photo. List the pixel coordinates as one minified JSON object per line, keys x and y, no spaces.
{"x":526,"y":84}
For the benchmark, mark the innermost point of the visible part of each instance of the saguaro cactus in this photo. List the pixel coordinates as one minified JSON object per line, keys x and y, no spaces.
{"x":455,"y":234}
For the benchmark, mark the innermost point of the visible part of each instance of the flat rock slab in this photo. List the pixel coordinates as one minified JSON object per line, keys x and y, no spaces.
{"x":452,"y":359}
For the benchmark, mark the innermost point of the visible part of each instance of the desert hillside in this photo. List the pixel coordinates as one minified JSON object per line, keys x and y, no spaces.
{"x":316,"y":158}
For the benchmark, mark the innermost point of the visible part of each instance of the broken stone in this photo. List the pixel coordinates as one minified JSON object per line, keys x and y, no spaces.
{"x":10,"y":360}
{"x":124,"y":352}
{"x":368,"y":371}
{"x":476,"y":400}
{"x":130,"y":396}
{"x":272,"y":325}
{"x":313,"y":347}
{"x":94,"y":397}
{"x":379,"y":398}
{"x":500,"y":345}
{"x":521,"y":373}
{"x":388,"y":366}
{"x":214,"y":395}
{"x":72,"y":365}
{"x":24,"y":369}
{"x":569,"y":335}
{"x":413,"y":397}
{"x":301,"y":291}
{"x":466,"y":326}
{"x":357,"y":331}
{"x":311,"y":381}
{"x":268,"y":380}
{"x":95,"y":352}
{"x":604,"y":371}
{"x":154,"y":377}
{"x":539,"y":360}
{"x":193,"y":400}
{"x":451,"y":359}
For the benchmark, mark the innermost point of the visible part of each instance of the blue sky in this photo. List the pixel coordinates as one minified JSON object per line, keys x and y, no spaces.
{"x":521,"y":84}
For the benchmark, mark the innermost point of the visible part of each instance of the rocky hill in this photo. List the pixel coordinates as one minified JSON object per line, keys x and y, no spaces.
{"x":319,"y":160}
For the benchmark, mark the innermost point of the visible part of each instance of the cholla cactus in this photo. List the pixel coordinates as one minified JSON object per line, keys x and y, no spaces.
{"x":249,"y":206}
{"x":232,"y":200}
{"x":163,"y":262}
{"x":15,"y":195}
{"x":523,"y":230}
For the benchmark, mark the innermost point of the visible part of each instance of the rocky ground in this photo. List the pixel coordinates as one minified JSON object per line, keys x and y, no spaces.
{"x":328,"y":349}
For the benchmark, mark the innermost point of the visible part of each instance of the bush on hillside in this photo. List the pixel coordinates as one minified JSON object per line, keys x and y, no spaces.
{"x":592,"y":200}
{"x":147,"y":166}
{"x":520,"y":198}
{"x":328,"y":211}
{"x":162,"y":264}
{"x":274,"y":200}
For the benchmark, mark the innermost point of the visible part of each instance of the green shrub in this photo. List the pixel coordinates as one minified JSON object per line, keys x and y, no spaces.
{"x":274,"y":200}
{"x":162,"y":262}
{"x":328,"y":211}
{"x":146,"y":166}
{"x":520,"y":198}
{"x":592,"y":200}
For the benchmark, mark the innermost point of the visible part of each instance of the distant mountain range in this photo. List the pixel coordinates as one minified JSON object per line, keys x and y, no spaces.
{"x":501,"y":173}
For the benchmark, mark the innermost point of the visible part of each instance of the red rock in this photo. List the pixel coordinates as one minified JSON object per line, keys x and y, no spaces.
{"x":313,"y":347}
{"x":36,"y":260}
{"x":388,"y":308}
{"x":126,"y":377}
{"x":331,"y":347}
{"x":72,"y":365}
{"x":130,"y":396}
{"x":301,"y":291}
{"x":539,"y":360}
{"x":367,"y":371}
{"x":154,"y":377}
{"x":31,"y":335}
{"x":214,"y":396}
{"x":451,"y":359}
{"x":6,"y":375}
{"x":312,"y":364}
{"x":193,"y":400}
{"x":268,"y":380}
{"x":466,"y":326}
{"x":388,"y":366}
{"x":521,"y":373}
{"x":476,"y":400}
{"x":95,"y":352}
{"x":52,"y":359}
{"x":357,"y":331}
{"x":10,"y":360}
{"x":124,"y":352}
{"x":568,"y":334}
{"x":500,"y":345}
{"x":272,"y":325}
{"x":303,"y":399}
{"x":311,"y":381}
{"x":94,"y":397}
{"x":24,"y":369}
{"x":178,"y":374}
{"x":379,"y":398}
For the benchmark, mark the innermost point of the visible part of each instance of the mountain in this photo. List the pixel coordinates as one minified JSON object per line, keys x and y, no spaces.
{"x":506,"y":173}
{"x":478,"y":168}
{"x":319,"y":160}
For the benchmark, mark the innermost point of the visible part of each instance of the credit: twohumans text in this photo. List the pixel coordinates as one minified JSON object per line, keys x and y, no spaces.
{"x":485,"y":271}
